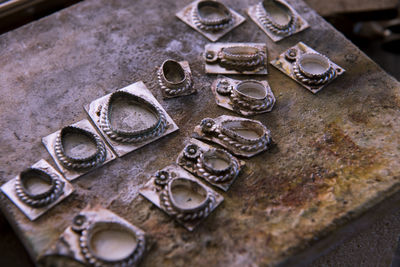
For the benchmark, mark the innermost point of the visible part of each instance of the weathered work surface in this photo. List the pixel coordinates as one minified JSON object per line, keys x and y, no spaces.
{"x":336,"y":152}
{"x":334,"y":7}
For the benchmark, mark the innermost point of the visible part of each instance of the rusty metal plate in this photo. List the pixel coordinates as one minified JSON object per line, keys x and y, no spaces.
{"x":94,"y":110}
{"x":31,"y":212}
{"x":72,"y":174}
{"x":186,"y":16}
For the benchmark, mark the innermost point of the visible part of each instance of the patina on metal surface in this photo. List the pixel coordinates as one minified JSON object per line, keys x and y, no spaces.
{"x":181,"y":196}
{"x":210,"y":18}
{"x":336,"y":154}
{"x":97,"y":237}
{"x":216,"y":166}
{"x":175,"y":79}
{"x":246,"y":97}
{"x":308,"y":67}
{"x":88,"y":149}
{"x":236,"y":58}
{"x":242,"y":137}
{"x":277,"y":19}
{"x":37,"y":189}
{"x":140,"y":118}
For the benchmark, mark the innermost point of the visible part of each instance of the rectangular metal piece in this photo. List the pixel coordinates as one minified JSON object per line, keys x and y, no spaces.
{"x":139,"y":89}
{"x":31,"y":212}
{"x":152,"y":192}
{"x":217,"y":69}
{"x":186,"y":16}
{"x":71,"y":174}
{"x":301,"y":24}
{"x":68,"y":243}
{"x":205,"y":147}
{"x":286,"y":66}
{"x":225,"y":100}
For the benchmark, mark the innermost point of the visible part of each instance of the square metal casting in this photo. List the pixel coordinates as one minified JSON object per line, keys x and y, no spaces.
{"x":71,"y":174}
{"x":31,"y":212}
{"x":138,"y":89}
{"x":185,"y":15}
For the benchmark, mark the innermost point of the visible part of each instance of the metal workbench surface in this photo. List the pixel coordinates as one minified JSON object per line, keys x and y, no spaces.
{"x":336,"y":152}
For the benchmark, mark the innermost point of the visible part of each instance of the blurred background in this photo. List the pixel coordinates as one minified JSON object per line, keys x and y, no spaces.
{"x":373,"y":25}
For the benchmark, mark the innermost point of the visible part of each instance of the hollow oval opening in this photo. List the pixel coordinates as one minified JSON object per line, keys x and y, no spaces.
{"x":240,"y":52}
{"x":111,"y":242}
{"x":212,"y":11}
{"x":216,"y":160}
{"x":78,"y":144}
{"x":36,"y":183}
{"x":187,"y":195}
{"x":252,"y":89}
{"x":313,"y":64}
{"x":173,"y":72}
{"x":245,"y":129}
{"x":278,"y":12}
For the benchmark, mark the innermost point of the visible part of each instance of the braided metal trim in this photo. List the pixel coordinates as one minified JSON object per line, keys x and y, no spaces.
{"x":47,"y":198}
{"x":260,"y":145}
{"x":132,"y":260}
{"x":253,"y":105}
{"x":330,"y":75}
{"x":134,"y":137}
{"x":230,"y":174}
{"x":186,"y":86}
{"x":187,"y":216}
{"x":80,"y":163}
{"x":243,"y":62}
{"x":278,"y":29}
{"x":212,"y":25}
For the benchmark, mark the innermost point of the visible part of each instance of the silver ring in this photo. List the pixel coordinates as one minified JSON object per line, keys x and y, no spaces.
{"x":202,"y":21}
{"x":169,"y":70}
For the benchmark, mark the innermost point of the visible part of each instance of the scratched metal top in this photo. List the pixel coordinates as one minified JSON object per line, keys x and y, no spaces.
{"x":336,"y":152}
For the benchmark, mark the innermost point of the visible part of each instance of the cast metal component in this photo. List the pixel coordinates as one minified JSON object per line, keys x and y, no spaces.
{"x":277,"y":19}
{"x":202,"y":19}
{"x":86,"y":152}
{"x":40,"y":199}
{"x":248,"y":97}
{"x":181,"y":196}
{"x":216,"y":166}
{"x":37,"y":189}
{"x":76,"y":162}
{"x":78,"y":241}
{"x":175,"y":79}
{"x":307,"y":67}
{"x":236,"y":58}
{"x":243,"y":137}
{"x":211,"y":18}
{"x":130,"y":118}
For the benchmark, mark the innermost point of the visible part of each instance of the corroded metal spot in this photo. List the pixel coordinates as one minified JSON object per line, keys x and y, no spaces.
{"x":236,"y":58}
{"x":98,"y":237}
{"x":181,"y":196}
{"x":248,"y":97}
{"x":308,"y":67}
{"x":211,"y":18}
{"x":175,"y":79}
{"x":242,"y":137}
{"x":37,"y":189}
{"x":277,"y":19}
{"x":130,"y":118}
{"x":78,"y":149}
{"x":216,"y":166}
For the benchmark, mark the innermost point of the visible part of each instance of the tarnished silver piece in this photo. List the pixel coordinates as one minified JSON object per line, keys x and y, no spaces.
{"x":211,"y":18}
{"x":78,"y":241}
{"x":175,"y":79}
{"x":201,"y":159}
{"x":242,"y":137}
{"x":35,"y":203}
{"x":139,"y":120}
{"x":247,"y":97}
{"x":236,"y":58}
{"x":277,"y":19}
{"x":181,"y":196}
{"x":307,"y":67}
{"x":90,"y":150}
